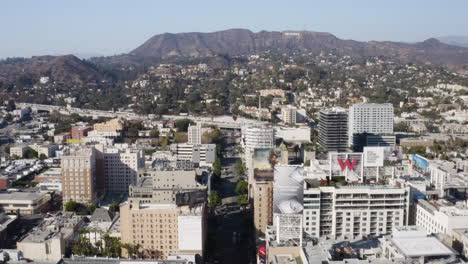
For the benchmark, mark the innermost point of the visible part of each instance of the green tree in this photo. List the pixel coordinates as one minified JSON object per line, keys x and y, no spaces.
{"x":242,"y":200}
{"x":114,"y":208}
{"x":401,"y":127}
{"x":7,"y":149}
{"x":30,"y":154}
{"x":154,"y":133}
{"x":217,"y":167}
{"x":183,"y":124}
{"x":214,"y":199}
{"x":91,"y":208}
{"x":42,"y":156}
{"x":240,"y":167}
{"x":242,"y":187}
{"x":71,"y":206}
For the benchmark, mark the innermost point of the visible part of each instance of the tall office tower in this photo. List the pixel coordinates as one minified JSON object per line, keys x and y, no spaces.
{"x":79,"y":176}
{"x":165,"y":213}
{"x":373,"y":119}
{"x":120,"y":166}
{"x":194,"y":134}
{"x":353,"y":210}
{"x":256,"y":136}
{"x":288,"y":115}
{"x":333,"y":129}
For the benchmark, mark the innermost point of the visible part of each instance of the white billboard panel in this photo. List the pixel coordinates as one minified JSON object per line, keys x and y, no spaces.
{"x":373,"y":156}
{"x":190,"y":232}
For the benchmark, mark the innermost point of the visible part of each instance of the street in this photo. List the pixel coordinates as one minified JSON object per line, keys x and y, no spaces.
{"x":230,"y":235}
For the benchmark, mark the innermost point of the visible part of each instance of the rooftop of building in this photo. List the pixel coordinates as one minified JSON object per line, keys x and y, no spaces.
{"x":420,"y":246}
{"x":21,"y":196}
{"x":81,"y":151}
{"x":52,"y":227}
{"x":98,"y":260}
{"x":6,"y":220}
{"x":263,"y":175}
{"x":195,"y":209}
{"x":51,"y":172}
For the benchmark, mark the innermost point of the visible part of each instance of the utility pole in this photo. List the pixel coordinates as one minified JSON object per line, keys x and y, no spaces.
{"x":259,"y":107}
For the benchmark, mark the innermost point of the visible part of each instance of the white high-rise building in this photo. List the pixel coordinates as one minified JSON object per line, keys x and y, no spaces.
{"x":256,"y":137}
{"x":194,"y":134}
{"x":353,"y":210}
{"x":376,"y":119}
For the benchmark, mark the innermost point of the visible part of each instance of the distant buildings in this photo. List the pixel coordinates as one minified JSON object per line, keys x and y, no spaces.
{"x":373,"y":119}
{"x":113,"y":125}
{"x":273,"y":92}
{"x":194,"y":134}
{"x":201,"y":155}
{"x":79,"y":132}
{"x":18,"y":151}
{"x":333,"y":130}
{"x":288,"y":115}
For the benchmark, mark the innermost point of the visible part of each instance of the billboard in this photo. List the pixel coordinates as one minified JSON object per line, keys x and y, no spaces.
{"x":373,"y":156}
{"x":264,"y":160}
{"x":376,"y":156}
{"x":267,"y":158}
{"x":419,"y":163}
{"x":393,"y":153}
{"x":288,"y":189}
{"x":190,"y":197}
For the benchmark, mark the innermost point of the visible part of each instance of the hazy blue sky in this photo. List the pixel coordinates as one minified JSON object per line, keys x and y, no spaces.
{"x":39,"y":27}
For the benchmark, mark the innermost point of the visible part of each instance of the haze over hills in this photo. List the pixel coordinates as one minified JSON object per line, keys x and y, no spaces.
{"x":461,"y":41}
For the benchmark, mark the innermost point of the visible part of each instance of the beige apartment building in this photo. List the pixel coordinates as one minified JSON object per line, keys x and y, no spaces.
{"x":165,"y":213}
{"x":263,"y":202}
{"x":79,"y":176}
{"x":162,"y":229}
{"x":112,"y":125}
{"x":120,"y":166}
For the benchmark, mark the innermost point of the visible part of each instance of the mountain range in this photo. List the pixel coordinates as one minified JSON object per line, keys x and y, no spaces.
{"x":461,"y":41}
{"x":243,"y":41}
{"x":231,"y":42}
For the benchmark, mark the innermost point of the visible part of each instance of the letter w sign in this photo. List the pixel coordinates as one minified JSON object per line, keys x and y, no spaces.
{"x":347,"y":163}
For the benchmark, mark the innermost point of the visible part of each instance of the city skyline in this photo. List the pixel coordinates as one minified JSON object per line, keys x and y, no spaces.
{"x":91,"y":28}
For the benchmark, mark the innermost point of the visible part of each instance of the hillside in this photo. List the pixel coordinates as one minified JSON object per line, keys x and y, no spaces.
{"x":62,"y":69}
{"x":242,"y":41}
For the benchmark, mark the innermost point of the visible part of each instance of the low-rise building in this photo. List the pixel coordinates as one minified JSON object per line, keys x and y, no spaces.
{"x":48,"y":241}
{"x":201,"y":154}
{"x":25,"y":203}
{"x":441,"y":216}
{"x":412,"y":245}
{"x":18,"y":151}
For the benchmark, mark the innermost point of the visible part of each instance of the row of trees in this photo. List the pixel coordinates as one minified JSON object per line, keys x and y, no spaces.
{"x":106,"y":246}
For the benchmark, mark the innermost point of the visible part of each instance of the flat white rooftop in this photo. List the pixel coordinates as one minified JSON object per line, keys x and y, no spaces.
{"x":421,"y":246}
